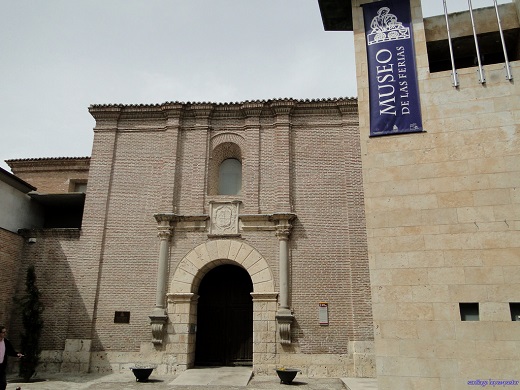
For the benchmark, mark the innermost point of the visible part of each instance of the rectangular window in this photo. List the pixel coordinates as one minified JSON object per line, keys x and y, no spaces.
{"x":469,"y":311}
{"x":465,"y":54}
{"x":77,"y":186}
{"x":514,"y":307}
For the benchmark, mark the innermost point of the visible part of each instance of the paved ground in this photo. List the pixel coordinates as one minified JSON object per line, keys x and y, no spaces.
{"x":126,"y":380}
{"x":214,"y":378}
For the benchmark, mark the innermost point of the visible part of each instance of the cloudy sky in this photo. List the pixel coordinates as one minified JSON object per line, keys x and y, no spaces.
{"x":57,"y":57}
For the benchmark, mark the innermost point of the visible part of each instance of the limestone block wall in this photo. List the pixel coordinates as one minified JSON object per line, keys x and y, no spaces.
{"x":443,"y":211}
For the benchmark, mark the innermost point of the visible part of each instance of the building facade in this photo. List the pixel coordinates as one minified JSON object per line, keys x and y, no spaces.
{"x":212,"y":234}
{"x":442,"y":205}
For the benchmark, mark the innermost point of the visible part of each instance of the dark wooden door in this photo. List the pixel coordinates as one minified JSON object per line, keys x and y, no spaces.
{"x":225,"y":318}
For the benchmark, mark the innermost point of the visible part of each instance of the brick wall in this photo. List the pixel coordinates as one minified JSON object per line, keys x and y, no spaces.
{"x":302,"y":157}
{"x":323,"y":187}
{"x":10,"y":259}
{"x":53,"y":255}
{"x":51,"y":175}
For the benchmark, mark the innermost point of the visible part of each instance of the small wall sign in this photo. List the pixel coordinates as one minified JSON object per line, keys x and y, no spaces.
{"x":323,"y":313}
{"x":122,"y":317}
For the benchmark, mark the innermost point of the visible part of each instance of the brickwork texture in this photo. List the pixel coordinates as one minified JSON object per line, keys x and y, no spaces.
{"x":299,"y":157}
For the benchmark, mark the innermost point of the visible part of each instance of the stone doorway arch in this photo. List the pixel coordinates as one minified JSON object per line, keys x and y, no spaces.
{"x":225,"y":318}
{"x":182,"y":299}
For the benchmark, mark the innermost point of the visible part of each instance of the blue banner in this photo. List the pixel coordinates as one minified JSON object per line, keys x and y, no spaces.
{"x":394,"y":92}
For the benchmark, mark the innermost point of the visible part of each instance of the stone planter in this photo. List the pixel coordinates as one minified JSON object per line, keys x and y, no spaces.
{"x":287,"y":375}
{"x":142,"y":373}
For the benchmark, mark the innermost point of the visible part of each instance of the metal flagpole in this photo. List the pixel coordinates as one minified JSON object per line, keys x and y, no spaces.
{"x":482,"y":78}
{"x":509,"y":76}
{"x":455,"y":77}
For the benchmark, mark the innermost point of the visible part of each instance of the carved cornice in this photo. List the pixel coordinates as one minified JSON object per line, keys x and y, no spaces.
{"x":182,"y":297}
{"x":172,"y":218}
{"x":264,"y":296}
{"x":266,"y":222}
{"x":202,"y":110}
{"x":252,"y":109}
{"x":283,"y":216}
{"x":105,"y":113}
{"x":172,"y":109}
{"x":282,"y":110}
{"x":165,"y":217}
{"x":227,"y":111}
{"x":170,"y":221}
{"x":348,"y":107}
{"x":172,"y":112}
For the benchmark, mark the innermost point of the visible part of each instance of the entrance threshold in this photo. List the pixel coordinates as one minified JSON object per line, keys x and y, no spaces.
{"x":215,"y":376}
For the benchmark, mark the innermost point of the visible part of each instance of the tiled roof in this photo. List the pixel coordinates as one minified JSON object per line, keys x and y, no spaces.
{"x":264,"y":101}
{"x":46,"y":159}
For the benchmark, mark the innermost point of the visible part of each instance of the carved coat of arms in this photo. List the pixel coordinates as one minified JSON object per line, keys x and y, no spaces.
{"x":224,"y":218}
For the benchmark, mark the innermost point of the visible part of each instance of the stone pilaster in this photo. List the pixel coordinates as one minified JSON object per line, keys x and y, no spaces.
{"x":252,"y":112}
{"x":282,"y":111}
{"x":284,"y":316}
{"x":264,"y":332}
{"x":159,"y":316}
{"x":173,"y":114}
{"x":181,"y":330}
{"x":197,"y":143}
{"x":95,"y":216}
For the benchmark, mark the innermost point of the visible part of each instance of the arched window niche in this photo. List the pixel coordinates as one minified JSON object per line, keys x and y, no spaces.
{"x":230,"y":177}
{"x":225,"y":170}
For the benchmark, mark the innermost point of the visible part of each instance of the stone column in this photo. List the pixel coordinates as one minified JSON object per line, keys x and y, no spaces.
{"x":159,"y":316}
{"x":284,"y":315}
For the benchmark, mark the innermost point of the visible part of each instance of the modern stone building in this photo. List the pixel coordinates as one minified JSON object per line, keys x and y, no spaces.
{"x":443,"y":206}
{"x":212,"y":234}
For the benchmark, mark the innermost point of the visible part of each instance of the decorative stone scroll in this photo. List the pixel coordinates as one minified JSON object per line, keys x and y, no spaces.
{"x":158,"y":323}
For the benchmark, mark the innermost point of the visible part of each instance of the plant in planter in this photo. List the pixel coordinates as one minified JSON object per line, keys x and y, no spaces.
{"x":32,"y":309}
{"x":287,"y":375}
{"x":142,"y":371}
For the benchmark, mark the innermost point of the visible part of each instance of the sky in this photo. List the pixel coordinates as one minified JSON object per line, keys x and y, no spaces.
{"x":57,"y":57}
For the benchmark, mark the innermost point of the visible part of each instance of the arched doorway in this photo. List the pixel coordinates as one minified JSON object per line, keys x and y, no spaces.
{"x":225,"y":318}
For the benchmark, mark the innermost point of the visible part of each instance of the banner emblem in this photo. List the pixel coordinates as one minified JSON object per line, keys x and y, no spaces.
{"x":385,"y":27}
